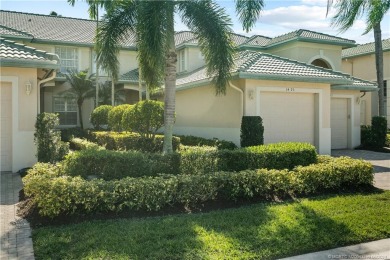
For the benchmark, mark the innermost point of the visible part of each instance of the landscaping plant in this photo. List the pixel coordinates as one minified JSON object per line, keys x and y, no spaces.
{"x":115,"y":117}
{"x":252,"y":131}
{"x":99,"y":116}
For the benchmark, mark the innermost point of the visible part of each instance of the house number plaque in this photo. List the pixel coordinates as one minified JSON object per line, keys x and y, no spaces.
{"x":290,"y":89}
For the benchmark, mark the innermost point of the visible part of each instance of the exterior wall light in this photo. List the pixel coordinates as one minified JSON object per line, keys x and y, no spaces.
{"x":251,"y":94}
{"x":28,"y":86}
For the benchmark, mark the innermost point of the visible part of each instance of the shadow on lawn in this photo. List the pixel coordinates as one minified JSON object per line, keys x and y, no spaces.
{"x":261,"y":231}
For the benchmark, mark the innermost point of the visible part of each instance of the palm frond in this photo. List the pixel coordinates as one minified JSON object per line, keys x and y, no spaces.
{"x":152,"y":40}
{"x":248,"y":12}
{"x":376,"y":11}
{"x":115,"y":26}
{"x":211,"y":27}
{"x":348,"y":11}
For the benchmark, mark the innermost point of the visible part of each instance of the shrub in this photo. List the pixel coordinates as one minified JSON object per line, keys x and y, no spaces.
{"x":68,"y":134}
{"x":378,"y":131}
{"x":387,"y":140}
{"x":55,"y":194}
{"x":131,"y":141}
{"x":252,"y":131}
{"x":145,"y":118}
{"x":99,"y":116}
{"x":365,"y":135}
{"x":83,"y":144}
{"x":115,"y":117}
{"x":48,"y":140}
{"x":190,"y":140}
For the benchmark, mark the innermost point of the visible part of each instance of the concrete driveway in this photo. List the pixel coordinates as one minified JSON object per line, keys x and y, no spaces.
{"x":380,"y":161}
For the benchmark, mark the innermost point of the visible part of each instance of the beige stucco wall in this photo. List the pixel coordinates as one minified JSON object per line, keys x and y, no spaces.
{"x":364,"y":67}
{"x":195,"y":58}
{"x":127,"y":60}
{"x":307,"y":52}
{"x":24,"y":112}
{"x":200,"y":112}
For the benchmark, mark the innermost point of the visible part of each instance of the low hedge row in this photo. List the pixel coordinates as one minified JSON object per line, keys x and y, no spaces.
{"x":56,"y":194}
{"x":190,"y":140}
{"x":83,"y":144}
{"x":131,"y":141}
{"x":111,"y":165}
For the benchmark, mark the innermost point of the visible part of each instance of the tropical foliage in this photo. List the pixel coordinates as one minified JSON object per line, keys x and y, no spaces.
{"x":153,"y":24}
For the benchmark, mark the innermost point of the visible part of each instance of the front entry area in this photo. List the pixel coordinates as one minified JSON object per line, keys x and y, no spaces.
{"x":339,"y":123}
{"x":288,"y":117}
{"x":6,"y":126}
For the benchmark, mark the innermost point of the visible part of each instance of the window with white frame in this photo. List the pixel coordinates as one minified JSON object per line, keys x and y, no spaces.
{"x":181,"y":61}
{"x":69,"y":59}
{"x":66,"y":108}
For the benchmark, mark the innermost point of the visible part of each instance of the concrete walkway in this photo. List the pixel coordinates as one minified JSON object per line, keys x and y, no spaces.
{"x":15,"y":233}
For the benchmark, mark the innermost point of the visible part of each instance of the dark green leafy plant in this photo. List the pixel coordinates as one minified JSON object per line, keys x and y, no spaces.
{"x":48,"y":139}
{"x":115,"y":117}
{"x":378,"y":131}
{"x":252,"y":131}
{"x":99,"y":116}
{"x":191,"y":140}
{"x":145,"y":118}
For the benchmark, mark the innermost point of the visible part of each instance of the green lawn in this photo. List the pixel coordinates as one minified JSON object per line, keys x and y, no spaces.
{"x":260,"y":231}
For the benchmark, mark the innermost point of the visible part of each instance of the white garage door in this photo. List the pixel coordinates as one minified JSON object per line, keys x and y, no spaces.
{"x":6,"y":126}
{"x":287,"y":117}
{"x":339,"y":123}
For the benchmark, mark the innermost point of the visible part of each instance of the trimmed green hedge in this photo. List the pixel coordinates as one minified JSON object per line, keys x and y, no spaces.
{"x":191,"y":140}
{"x":192,"y":160}
{"x":252,"y":131}
{"x":56,"y":194}
{"x":99,"y":116}
{"x":131,"y":141}
{"x":83,"y":144}
{"x":115,"y":116}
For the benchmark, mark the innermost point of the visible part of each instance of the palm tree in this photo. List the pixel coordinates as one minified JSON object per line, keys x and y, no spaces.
{"x":105,"y":94}
{"x":153,"y":24}
{"x":347,"y":12}
{"x":81,"y":88}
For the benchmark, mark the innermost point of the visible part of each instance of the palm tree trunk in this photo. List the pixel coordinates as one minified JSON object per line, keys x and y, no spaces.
{"x":379,"y":68}
{"x":170,"y":86}
{"x":139,"y":83}
{"x":112,"y":92}
{"x":97,"y":64}
{"x":79,"y":105}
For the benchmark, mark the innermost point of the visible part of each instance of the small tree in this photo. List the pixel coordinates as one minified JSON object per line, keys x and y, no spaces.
{"x":48,"y":139}
{"x":115,"y":117}
{"x":145,"y":118}
{"x":81,"y":88}
{"x":99,"y":116}
{"x":252,"y":131}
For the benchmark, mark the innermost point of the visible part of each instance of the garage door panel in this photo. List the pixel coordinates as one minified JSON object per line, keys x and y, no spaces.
{"x":6,"y":126}
{"x":339,"y":123}
{"x":287,"y":117}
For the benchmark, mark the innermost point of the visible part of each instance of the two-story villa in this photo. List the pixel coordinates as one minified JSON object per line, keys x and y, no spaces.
{"x":292,"y":81}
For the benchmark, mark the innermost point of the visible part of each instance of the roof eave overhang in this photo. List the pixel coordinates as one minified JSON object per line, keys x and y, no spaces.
{"x":361,"y":54}
{"x":76,"y":44}
{"x":302,"y":39}
{"x":29,"y":64}
{"x":245,"y":75}
{"x":351,"y":87}
{"x":16,"y":37}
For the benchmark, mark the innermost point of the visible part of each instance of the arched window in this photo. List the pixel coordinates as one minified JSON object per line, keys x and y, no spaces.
{"x":321,"y":63}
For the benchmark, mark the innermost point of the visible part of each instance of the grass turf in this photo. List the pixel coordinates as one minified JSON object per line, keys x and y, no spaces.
{"x":260,"y":231}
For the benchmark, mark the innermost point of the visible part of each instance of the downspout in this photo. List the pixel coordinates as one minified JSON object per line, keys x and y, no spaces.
{"x":241,"y":97}
{"x":40,"y":82}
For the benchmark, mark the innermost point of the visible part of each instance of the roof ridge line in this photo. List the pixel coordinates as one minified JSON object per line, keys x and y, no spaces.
{"x":328,"y":35}
{"x":47,"y":15}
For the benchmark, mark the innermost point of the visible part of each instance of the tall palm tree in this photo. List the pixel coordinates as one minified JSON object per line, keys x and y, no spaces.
{"x":347,"y":12}
{"x":153,"y":24}
{"x":81,"y":88}
{"x":105,"y":94}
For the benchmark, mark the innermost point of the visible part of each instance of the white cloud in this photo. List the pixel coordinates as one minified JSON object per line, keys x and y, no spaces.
{"x":315,"y":2}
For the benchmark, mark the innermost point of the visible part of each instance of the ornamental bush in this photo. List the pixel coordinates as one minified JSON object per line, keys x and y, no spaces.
{"x":145,"y":118}
{"x":252,"y":131}
{"x":131,"y":141}
{"x":48,"y":139}
{"x":83,"y":144}
{"x":190,"y":140}
{"x":56,"y":194}
{"x":115,"y":117}
{"x":378,"y":131}
{"x":99,"y":116}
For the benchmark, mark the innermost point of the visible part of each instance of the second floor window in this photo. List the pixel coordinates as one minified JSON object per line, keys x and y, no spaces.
{"x":181,"y":61}
{"x":69,"y":59}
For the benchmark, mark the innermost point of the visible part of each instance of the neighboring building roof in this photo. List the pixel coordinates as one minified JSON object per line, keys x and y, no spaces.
{"x":257,"y":40}
{"x":183,"y":36}
{"x":53,"y":28}
{"x":306,"y":35}
{"x":364,"y":49}
{"x":264,"y":66}
{"x":14,"y":54}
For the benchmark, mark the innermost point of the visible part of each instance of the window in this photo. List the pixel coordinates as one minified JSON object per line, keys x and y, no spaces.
{"x":67,"y":110}
{"x":181,"y":61}
{"x":68,"y":58}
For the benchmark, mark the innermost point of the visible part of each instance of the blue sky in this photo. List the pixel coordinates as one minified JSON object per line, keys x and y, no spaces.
{"x":278,"y":17}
